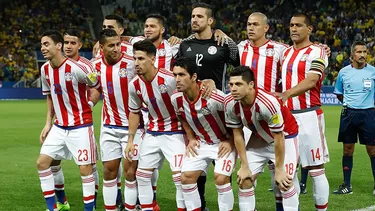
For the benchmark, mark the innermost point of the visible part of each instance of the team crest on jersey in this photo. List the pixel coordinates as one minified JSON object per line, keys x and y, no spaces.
{"x":304,"y":57}
{"x":68,"y":76}
{"x":181,"y":109}
{"x":161,"y":52}
{"x":212,"y":50}
{"x":123,"y":73}
{"x":270,"y":52}
{"x":139,"y":92}
{"x":163,"y":88}
{"x":206,"y":111}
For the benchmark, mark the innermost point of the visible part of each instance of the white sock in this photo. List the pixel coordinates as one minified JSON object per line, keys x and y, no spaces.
{"x":320,"y":188}
{"x":290,"y":199}
{"x":191,"y":197}
{"x":179,"y":196}
{"x":225,"y":197}
{"x":246,"y":199}
{"x":145,"y":193}
{"x":130,"y":194}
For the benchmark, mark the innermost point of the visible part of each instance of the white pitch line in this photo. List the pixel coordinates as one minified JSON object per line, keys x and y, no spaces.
{"x":370,"y":208}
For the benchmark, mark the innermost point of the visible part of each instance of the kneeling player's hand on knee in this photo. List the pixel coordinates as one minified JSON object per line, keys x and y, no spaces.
{"x":191,"y":149}
{"x":243,"y":174}
{"x":129,"y":150}
{"x":283,"y":180}
{"x":225,"y":148}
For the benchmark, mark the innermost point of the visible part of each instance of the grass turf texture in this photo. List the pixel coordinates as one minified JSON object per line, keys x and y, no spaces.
{"x":22,"y":121}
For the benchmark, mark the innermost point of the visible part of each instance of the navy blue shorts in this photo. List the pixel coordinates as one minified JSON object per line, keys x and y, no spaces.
{"x":357,"y":123}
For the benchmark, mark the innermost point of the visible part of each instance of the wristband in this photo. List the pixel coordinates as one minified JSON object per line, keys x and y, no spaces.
{"x":91,"y":104}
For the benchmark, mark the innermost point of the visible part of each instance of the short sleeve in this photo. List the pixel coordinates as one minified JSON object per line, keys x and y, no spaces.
{"x":174,"y":104}
{"x":270,"y":111}
{"x":46,"y":89}
{"x":319,"y":61}
{"x":135,"y":103}
{"x":133,"y":40}
{"x":339,"y":84}
{"x":231,"y":119}
{"x":86,"y":75}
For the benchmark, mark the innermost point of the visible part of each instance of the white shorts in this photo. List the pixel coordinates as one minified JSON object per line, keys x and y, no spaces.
{"x":206,"y":154}
{"x":259,"y":157}
{"x":145,"y":117}
{"x":78,"y":143}
{"x":247,"y":134}
{"x":155,"y":148}
{"x":313,"y":144}
{"x":113,"y":141}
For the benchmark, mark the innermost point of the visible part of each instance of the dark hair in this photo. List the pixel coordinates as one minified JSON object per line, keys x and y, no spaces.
{"x":244,"y":71}
{"x":74,"y":32}
{"x":146,"y":46}
{"x":355,"y":44}
{"x":157,"y":17}
{"x":188,"y":64}
{"x":206,"y":6}
{"x":307,"y":17}
{"x":54,"y":35}
{"x":119,"y":20}
{"x":106,"y":33}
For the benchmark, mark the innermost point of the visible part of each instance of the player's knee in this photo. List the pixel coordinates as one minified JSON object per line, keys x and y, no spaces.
{"x":348,"y":149}
{"x":42,"y":163}
{"x":247,"y":184}
{"x":221,"y":179}
{"x":370,"y":150}
{"x":130,"y":173}
{"x":187,"y":178}
{"x":85,"y":170}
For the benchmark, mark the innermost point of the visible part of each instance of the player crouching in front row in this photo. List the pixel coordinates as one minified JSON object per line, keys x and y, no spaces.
{"x":274,"y":137}
{"x":203,"y":121}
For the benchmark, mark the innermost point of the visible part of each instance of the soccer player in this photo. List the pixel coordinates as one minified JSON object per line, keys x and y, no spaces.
{"x":116,"y":23}
{"x":355,"y":89}
{"x":115,"y":71}
{"x":211,"y":59}
{"x":274,"y":137}
{"x":164,"y":137}
{"x":72,"y":44}
{"x":203,"y":121}
{"x":303,"y":65}
{"x":64,"y":82}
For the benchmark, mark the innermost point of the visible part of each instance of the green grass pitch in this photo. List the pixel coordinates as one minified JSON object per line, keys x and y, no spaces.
{"x":22,"y":121}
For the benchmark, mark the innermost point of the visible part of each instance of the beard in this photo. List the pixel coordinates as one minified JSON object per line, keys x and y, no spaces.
{"x":154,"y":38}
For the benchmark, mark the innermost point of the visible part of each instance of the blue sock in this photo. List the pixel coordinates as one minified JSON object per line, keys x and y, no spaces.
{"x":304,"y":173}
{"x":279,"y":206}
{"x":347,"y":166}
{"x":51,"y":201}
{"x":119,"y":197}
{"x":373,"y":167}
{"x":89,"y":206}
{"x":60,"y":195}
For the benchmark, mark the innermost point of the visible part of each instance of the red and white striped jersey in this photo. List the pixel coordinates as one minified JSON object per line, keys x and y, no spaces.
{"x":264,"y":116}
{"x":114,"y":82}
{"x":165,"y":53}
{"x":156,"y":94}
{"x":126,"y":48}
{"x":67,"y":86}
{"x":205,"y":116}
{"x":296,"y":66}
{"x":265,"y":61}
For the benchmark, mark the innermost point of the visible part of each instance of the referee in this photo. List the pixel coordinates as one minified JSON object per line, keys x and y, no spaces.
{"x":212,"y":60}
{"x":355,"y":89}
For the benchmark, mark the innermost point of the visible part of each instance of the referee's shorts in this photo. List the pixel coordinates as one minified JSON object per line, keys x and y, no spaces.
{"x":357,"y":123}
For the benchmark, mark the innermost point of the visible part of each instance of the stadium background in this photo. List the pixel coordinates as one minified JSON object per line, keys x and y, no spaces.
{"x":337,"y":23}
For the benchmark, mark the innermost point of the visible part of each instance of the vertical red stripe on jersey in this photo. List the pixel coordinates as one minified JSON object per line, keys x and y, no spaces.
{"x":86,"y":109}
{"x":72,"y":96}
{"x":124,"y":81}
{"x":161,"y":59}
{"x":46,"y":73}
{"x":111,"y":95}
{"x":268,"y":69}
{"x":197,"y":123}
{"x":254,"y":62}
{"x":58,"y":91}
{"x":123,"y":48}
{"x":301,"y":77}
{"x":244,"y":54}
{"x":179,"y":102}
{"x":169,"y":106}
{"x":289,"y":74}
{"x":211,"y":119}
{"x":155,"y":106}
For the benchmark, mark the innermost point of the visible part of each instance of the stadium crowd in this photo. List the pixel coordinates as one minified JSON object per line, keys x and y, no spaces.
{"x":22,"y":22}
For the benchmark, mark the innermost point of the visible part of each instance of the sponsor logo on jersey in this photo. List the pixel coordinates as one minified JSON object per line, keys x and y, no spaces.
{"x":163,"y":88}
{"x":270,"y":52}
{"x":69,"y":76}
{"x":161,"y":52}
{"x":212,"y":50}
{"x":123,"y":73}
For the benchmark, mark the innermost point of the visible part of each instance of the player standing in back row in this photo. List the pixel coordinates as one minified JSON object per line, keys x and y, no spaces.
{"x":303,"y":67}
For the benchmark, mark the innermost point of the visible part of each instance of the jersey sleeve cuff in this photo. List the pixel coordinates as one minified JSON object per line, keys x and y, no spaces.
{"x":231,"y":125}
{"x":135,"y":110}
{"x":46,"y":92}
